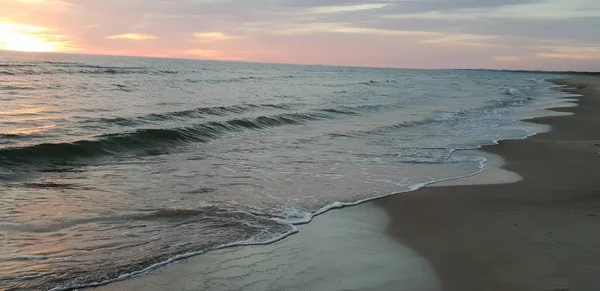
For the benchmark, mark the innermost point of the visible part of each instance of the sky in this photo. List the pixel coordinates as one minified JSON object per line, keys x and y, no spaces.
{"x":496,"y":34}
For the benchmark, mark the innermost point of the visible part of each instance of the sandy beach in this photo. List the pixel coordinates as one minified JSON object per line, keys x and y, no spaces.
{"x":540,"y":232}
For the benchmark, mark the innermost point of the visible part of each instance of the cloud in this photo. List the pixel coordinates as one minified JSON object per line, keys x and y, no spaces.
{"x":345,"y":8}
{"x":213,"y":36}
{"x":366,"y":30}
{"x":472,"y":40}
{"x":203,"y":53}
{"x":572,"y":53}
{"x":132,"y":36}
{"x":211,"y":54}
{"x":344,"y":28}
{"x":506,"y":58}
{"x":8,"y":27}
{"x":37,"y":2}
{"x":567,"y":56}
{"x":548,"y":9}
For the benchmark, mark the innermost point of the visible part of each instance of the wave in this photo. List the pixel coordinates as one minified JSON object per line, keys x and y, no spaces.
{"x":370,"y":83}
{"x":50,"y":68}
{"x":80,"y":65}
{"x":346,"y":111}
{"x":45,"y":71}
{"x":171,"y":214}
{"x":15,"y":136}
{"x":238,"y":79}
{"x":65,"y":65}
{"x":516,"y":97}
{"x":200,"y":112}
{"x":238,"y":227}
{"x":8,"y":65}
{"x":149,"y":141}
{"x":15,"y":88}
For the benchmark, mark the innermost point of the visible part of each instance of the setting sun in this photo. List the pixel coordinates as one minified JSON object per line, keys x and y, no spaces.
{"x":29,"y":43}
{"x":26,"y":38}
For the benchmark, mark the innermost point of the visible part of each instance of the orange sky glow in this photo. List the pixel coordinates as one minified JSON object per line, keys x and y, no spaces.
{"x":544,"y":34}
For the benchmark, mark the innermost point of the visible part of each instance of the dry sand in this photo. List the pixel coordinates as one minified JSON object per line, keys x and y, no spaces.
{"x":541,"y":233}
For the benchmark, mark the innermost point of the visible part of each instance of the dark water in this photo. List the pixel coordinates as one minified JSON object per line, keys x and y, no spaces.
{"x":110,"y":166}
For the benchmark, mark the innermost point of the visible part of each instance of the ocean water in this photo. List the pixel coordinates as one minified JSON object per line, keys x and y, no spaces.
{"x":111,"y":166}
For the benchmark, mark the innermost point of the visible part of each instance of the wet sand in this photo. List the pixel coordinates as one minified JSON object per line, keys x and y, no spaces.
{"x":344,"y":249}
{"x":541,"y":233}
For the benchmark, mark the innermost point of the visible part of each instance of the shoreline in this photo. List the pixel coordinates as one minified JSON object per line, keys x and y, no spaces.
{"x":154,"y":277}
{"x":540,"y":233}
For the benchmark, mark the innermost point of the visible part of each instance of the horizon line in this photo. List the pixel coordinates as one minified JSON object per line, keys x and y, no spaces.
{"x":301,"y":64}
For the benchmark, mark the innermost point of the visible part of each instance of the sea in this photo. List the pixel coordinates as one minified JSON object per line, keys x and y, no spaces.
{"x":113,"y":166}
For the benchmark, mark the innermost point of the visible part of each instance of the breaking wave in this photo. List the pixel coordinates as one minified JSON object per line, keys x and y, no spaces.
{"x":149,"y":140}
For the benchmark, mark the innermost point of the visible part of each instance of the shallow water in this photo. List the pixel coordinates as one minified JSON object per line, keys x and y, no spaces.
{"x":109,"y":165}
